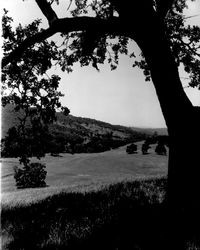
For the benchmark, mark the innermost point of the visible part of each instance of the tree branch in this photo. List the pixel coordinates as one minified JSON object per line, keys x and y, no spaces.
{"x":88,"y":23}
{"x":66,"y":25}
{"x":48,"y":12}
{"x":16,"y":53}
{"x":193,"y":50}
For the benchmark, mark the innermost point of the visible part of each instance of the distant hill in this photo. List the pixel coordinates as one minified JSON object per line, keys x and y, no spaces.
{"x":79,"y":125}
{"x":76,"y":134}
{"x":91,"y":127}
{"x":71,"y":124}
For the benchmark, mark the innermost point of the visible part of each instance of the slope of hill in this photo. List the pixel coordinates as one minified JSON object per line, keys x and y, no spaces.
{"x":72,"y":123}
{"x":76,"y":134}
{"x":91,"y":127}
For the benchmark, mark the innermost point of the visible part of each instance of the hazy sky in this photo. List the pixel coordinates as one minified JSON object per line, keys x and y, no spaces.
{"x":119,"y":97}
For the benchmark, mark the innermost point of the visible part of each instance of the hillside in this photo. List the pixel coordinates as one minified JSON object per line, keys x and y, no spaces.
{"x":90,"y":127}
{"x":77,"y":135}
{"x":79,"y":125}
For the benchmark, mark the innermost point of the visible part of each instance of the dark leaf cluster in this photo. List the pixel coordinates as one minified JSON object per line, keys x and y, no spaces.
{"x":185,"y":45}
{"x":184,"y":39}
{"x":27,"y":86}
{"x":30,"y":176}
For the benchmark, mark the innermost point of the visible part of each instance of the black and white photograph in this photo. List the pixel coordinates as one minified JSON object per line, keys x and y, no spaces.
{"x":100,"y":125}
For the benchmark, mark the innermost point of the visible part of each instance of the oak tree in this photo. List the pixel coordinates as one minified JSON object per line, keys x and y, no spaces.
{"x":95,"y":31}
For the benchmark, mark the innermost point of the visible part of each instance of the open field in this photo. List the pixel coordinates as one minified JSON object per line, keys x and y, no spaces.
{"x":89,"y":170}
{"x":109,"y":200}
{"x":68,"y":169}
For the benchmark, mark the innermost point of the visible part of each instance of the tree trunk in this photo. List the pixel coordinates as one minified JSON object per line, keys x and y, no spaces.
{"x":183,"y":123}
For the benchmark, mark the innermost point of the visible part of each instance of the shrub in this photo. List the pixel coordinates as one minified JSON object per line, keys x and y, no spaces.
{"x":131,"y":149}
{"x":160,"y":149}
{"x":30,"y":176}
{"x":145,"y":148}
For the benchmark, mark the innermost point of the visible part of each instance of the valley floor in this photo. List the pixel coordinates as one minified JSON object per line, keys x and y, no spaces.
{"x":79,"y":169}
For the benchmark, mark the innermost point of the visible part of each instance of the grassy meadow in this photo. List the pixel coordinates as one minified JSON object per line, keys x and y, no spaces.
{"x":108,"y":200}
{"x":79,"y":169}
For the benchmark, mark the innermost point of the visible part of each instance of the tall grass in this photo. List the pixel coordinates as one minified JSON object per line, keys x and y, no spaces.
{"x":127,"y":215}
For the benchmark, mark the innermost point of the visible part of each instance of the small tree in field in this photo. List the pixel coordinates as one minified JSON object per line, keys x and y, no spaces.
{"x":30,"y":176}
{"x":131,"y":149}
{"x":145,"y":148}
{"x":160,"y":149}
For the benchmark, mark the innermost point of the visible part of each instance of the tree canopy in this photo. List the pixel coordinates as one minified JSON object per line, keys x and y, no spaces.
{"x":99,"y":30}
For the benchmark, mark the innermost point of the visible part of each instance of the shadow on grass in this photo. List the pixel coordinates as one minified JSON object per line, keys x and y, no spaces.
{"x":127,"y":215}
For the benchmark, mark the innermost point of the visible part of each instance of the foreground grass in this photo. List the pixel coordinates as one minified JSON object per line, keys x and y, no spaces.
{"x":126,"y":215}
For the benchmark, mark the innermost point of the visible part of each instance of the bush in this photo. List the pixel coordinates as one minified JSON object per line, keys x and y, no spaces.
{"x":145,"y":148}
{"x":160,"y":149}
{"x":30,"y":176}
{"x":131,"y":149}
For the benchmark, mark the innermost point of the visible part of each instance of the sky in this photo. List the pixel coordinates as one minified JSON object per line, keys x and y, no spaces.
{"x":119,"y":97}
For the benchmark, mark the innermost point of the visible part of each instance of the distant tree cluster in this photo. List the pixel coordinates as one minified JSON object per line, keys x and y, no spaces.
{"x":161,"y":141}
{"x":94,"y":144}
{"x":55,"y":142}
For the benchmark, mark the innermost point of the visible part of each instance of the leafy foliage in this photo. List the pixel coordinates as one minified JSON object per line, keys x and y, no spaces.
{"x":25,"y":141}
{"x":30,"y":176}
{"x":88,"y":47}
{"x":145,"y":148}
{"x":185,"y":43}
{"x":95,"y":48}
{"x":26,"y":82}
{"x":28,"y":87}
{"x":160,"y":149}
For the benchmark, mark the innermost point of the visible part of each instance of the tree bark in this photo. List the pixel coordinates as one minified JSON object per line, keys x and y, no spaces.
{"x":183,"y":123}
